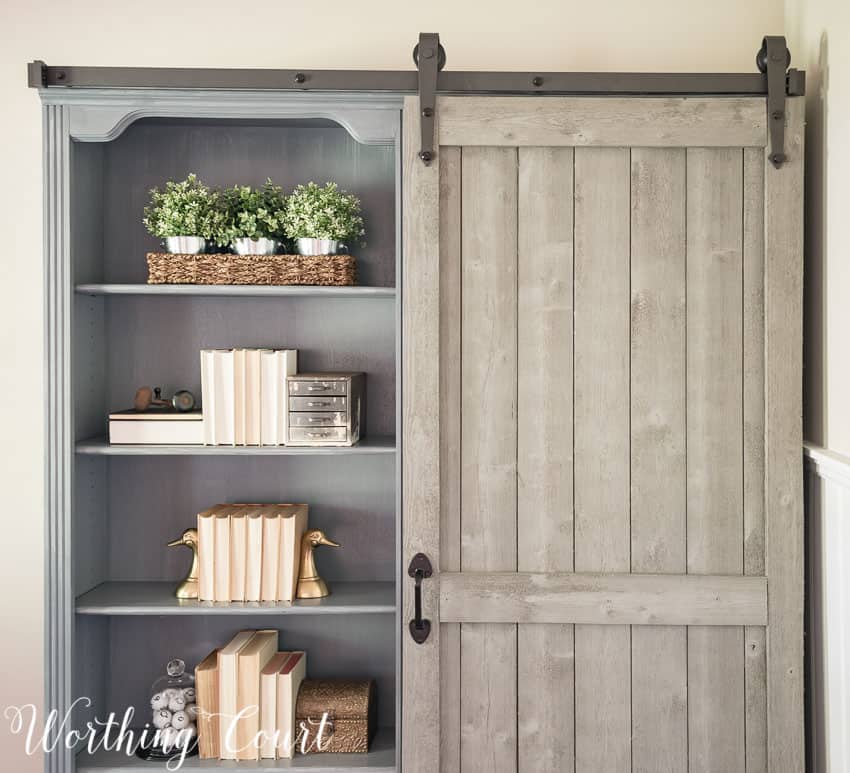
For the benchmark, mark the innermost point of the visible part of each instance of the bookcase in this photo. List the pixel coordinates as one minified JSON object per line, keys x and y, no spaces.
{"x":112,"y":619}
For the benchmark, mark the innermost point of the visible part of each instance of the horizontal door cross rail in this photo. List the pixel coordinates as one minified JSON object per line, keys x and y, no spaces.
{"x":602,"y":599}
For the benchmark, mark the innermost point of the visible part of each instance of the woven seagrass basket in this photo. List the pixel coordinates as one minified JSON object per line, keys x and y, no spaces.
{"x":225,"y":269}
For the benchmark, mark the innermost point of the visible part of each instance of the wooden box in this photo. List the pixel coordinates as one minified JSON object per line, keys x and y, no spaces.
{"x":351,"y":708}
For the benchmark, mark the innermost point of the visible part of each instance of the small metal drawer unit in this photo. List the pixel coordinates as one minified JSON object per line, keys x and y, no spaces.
{"x":326,"y":409}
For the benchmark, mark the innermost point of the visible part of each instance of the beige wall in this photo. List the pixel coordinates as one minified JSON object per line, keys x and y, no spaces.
{"x":819,"y":38}
{"x":722,"y":35}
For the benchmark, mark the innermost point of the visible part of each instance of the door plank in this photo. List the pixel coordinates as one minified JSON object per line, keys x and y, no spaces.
{"x":755,"y":665}
{"x":601,"y":466}
{"x":603,"y":598}
{"x":488,"y":447}
{"x":421,"y":450}
{"x":658,"y":478}
{"x":783,"y":470}
{"x":545,"y":653}
{"x":603,"y":121}
{"x":715,"y":447}
{"x":450,"y":316}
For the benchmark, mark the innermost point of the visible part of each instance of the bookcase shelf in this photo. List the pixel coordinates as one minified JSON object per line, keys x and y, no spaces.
{"x":239,"y":291}
{"x":379,"y":759}
{"x":157,"y":598}
{"x":101,"y":446}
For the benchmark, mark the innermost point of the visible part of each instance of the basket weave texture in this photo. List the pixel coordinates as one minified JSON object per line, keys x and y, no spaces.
{"x":225,"y":269}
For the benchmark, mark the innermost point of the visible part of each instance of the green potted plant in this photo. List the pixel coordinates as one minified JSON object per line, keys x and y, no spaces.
{"x":323,"y":220}
{"x":252,"y":222}
{"x":185,"y":215}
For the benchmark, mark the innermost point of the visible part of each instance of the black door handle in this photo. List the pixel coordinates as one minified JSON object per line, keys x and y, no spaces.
{"x":419,"y":569}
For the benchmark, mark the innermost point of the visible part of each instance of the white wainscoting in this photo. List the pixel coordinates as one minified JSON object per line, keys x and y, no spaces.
{"x":828,"y":610}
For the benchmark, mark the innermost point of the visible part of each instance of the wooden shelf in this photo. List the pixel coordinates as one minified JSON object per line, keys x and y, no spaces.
{"x":379,"y":759}
{"x":244,"y":291}
{"x":157,"y":598}
{"x":100,"y":446}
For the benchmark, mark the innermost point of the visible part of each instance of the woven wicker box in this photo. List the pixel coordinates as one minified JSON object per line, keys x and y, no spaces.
{"x":225,"y":269}
{"x":351,"y":708}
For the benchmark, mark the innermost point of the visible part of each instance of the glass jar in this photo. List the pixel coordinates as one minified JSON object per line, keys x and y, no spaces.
{"x":172,"y":728}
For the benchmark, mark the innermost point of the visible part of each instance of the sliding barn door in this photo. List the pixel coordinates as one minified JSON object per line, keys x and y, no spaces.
{"x":602,"y":442}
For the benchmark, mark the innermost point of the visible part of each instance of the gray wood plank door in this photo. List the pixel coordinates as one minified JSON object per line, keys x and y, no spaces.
{"x":602,"y":440}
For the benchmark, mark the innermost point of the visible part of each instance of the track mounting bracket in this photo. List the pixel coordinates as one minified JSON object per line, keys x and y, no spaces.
{"x":429,"y":57}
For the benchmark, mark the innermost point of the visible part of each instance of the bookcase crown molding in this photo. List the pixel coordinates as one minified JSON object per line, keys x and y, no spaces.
{"x":102,"y":115}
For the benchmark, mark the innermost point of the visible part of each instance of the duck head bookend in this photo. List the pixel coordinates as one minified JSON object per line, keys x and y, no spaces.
{"x":310,"y":585}
{"x":188,"y":588}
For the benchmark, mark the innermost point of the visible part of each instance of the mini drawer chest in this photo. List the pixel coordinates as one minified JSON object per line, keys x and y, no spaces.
{"x":326,"y":409}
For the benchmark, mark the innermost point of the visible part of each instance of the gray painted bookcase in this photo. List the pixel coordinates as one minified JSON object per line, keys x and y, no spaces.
{"x":112,"y":621}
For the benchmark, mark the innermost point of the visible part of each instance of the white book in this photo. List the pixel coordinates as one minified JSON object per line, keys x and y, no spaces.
{"x":293,"y":524}
{"x":221,"y":557}
{"x":271,"y":554}
{"x":148,"y":428}
{"x":268,"y":704}
{"x":238,"y":553}
{"x":288,"y":683}
{"x":239,"y":398}
{"x":228,"y":708}
{"x":206,"y":555}
{"x":207,"y":396}
{"x":268,"y":397}
{"x":287,"y":365}
{"x":223,"y":382}
{"x":254,"y":555}
{"x":252,"y":397}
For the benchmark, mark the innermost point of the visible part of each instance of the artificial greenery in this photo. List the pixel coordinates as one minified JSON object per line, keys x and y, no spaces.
{"x":252,"y":213}
{"x":187,"y":208}
{"x":314,"y":212}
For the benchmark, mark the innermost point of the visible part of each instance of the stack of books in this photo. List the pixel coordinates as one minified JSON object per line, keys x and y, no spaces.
{"x":243,"y":394}
{"x":246,"y":694}
{"x":250,"y":552}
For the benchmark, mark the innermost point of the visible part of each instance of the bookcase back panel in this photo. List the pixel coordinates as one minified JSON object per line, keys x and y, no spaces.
{"x":355,"y":647}
{"x":152,"y":499}
{"x":90,"y":533}
{"x":90,"y":679}
{"x":157,"y":341}
{"x":150,"y":152}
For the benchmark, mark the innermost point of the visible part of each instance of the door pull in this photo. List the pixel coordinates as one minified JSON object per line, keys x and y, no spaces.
{"x":419,"y":569}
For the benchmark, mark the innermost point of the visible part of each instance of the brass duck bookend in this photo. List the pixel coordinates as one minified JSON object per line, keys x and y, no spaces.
{"x":188,"y":589}
{"x":310,"y":585}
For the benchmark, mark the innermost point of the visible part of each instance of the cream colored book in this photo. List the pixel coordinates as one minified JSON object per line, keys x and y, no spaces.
{"x":293,"y":524}
{"x":287,"y":365}
{"x":222,"y":554}
{"x":206,"y":701}
{"x":268,"y":705}
{"x":252,"y":658}
{"x":239,"y":415}
{"x":252,"y":397}
{"x":288,"y":683}
{"x":206,"y":555}
{"x":208,"y":396}
{"x":271,"y":554}
{"x":238,"y":553}
{"x":224,"y":405}
{"x":268,"y":398}
{"x":254,"y":555}
{"x":228,"y":680}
